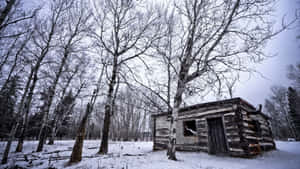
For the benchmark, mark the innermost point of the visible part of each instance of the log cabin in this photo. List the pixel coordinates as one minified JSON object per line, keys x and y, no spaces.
{"x":230,"y":127}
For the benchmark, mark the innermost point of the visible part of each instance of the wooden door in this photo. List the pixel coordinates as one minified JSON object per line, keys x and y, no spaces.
{"x":216,"y":136}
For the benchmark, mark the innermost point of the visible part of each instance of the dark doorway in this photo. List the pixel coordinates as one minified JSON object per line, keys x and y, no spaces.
{"x":216,"y":136}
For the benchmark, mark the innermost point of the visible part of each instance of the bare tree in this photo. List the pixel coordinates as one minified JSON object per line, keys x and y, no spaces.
{"x":19,"y":110}
{"x":13,"y":56}
{"x":75,"y":20}
{"x":277,"y":107}
{"x":11,"y":15}
{"x":126,"y":33}
{"x":76,"y":155}
{"x":61,"y":112}
{"x":294,"y":75}
{"x":217,"y":38}
{"x":42,"y":40}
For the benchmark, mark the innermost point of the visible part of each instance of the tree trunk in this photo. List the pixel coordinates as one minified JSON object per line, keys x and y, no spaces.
{"x":51,"y":96}
{"x":108,"y":108}
{"x":77,"y":148}
{"x":42,"y":139}
{"x":27,"y":106}
{"x":104,"y":142}
{"x":35,"y":78}
{"x":54,"y":125}
{"x":8,"y":144}
{"x":20,"y":109}
{"x":171,"y":152}
{"x":52,"y":132}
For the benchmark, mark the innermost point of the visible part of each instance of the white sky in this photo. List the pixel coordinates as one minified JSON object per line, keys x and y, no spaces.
{"x":256,"y":88}
{"x":287,"y":48}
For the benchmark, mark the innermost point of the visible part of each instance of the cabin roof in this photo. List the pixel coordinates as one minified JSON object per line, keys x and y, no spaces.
{"x":236,"y":100}
{"x":219,"y":102}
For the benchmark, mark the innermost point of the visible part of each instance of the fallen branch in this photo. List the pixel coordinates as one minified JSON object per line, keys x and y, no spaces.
{"x":134,"y":154}
{"x":56,"y":151}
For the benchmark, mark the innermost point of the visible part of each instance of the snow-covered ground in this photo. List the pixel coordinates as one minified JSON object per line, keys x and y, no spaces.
{"x":139,"y":155}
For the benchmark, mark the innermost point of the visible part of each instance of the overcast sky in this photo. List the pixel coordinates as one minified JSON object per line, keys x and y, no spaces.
{"x":287,"y":48}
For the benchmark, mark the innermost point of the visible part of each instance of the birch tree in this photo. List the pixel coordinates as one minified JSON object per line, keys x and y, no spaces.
{"x":217,"y":38}
{"x":15,"y":33}
{"x":76,"y":154}
{"x":42,"y":42}
{"x":126,"y":31}
{"x":76,"y":21}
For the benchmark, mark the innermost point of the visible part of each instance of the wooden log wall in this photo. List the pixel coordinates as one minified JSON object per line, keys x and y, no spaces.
{"x":232,"y":133}
{"x":257,"y":133}
{"x":247,"y":133}
{"x":202,"y":132}
{"x":250,"y":137}
{"x":266,"y":140}
{"x":161,"y":133}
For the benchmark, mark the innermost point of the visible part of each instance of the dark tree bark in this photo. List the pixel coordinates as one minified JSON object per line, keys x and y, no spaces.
{"x":108,"y":110}
{"x":5,"y":12}
{"x":8,"y":144}
{"x":77,"y":148}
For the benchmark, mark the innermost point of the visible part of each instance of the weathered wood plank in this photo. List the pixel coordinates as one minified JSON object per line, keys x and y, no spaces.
{"x":196,"y":113}
{"x":233,"y":139}
{"x":162,"y":137}
{"x":266,"y":143}
{"x":203,"y":140}
{"x":236,"y":149}
{"x":230,"y":114}
{"x":235,"y":144}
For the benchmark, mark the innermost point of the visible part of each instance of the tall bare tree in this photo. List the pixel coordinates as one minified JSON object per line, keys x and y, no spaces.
{"x":13,"y":62}
{"x":76,"y":155}
{"x":42,"y":40}
{"x":217,"y":38}
{"x":75,"y":20}
{"x":126,"y":33}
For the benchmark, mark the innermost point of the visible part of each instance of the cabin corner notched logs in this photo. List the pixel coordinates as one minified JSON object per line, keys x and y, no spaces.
{"x":228,"y":127}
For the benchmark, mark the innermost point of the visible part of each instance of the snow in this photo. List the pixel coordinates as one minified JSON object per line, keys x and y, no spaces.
{"x":137,"y":155}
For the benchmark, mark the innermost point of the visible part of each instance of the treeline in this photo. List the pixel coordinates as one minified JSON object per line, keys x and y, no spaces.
{"x":283,"y":107}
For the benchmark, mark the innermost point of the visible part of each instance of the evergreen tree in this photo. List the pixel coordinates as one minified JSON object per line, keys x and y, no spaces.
{"x":8,"y":99}
{"x":34,"y":123}
{"x":61,"y":118}
{"x":294,"y":110}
